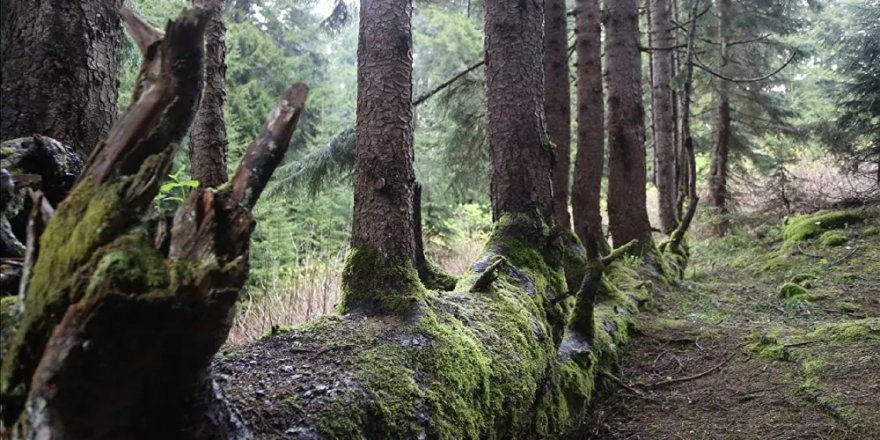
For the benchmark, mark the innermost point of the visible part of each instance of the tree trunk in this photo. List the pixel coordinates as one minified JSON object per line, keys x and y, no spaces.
{"x":122,"y":318}
{"x":662,"y":111}
{"x":520,"y":152}
{"x":586,"y":191}
{"x":207,"y":135}
{"x":557,"y":104}
{"x":380,"y":275}
{"x":721,"y":151}
{"x":674,"y":245}
{"x":627,"y":213}
{"x":60,"y":62}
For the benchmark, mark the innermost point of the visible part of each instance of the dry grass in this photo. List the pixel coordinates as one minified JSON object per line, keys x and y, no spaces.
{"x":295,"y":295}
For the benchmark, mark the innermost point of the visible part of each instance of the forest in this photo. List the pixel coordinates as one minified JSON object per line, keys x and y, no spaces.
{"x":440,"y":219}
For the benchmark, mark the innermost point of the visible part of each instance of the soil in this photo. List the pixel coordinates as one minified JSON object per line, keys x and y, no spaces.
{"x":723,"y":356}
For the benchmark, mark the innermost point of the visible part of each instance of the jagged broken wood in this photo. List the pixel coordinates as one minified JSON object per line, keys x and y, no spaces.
{"x":118,"y":334}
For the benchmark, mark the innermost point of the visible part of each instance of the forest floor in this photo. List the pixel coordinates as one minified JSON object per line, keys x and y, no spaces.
{"x":729,"y":354}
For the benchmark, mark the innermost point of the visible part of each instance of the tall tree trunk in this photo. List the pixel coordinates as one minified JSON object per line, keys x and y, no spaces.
{"x":662,"y":111}
{"x":627,"y":213}
{"x":557,"y":104}
{"x":586,"y":191}
{"x":59,"y":62}
{"x":207,"y":135}
{"x":380,"y":275}
{"x":519,"y":149}
{"x":721,"y":151}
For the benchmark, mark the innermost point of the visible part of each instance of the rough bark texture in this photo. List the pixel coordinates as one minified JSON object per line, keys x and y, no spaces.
{"x":383,"y":233}
{"x":557,"y":104}
{"x":59,"y":62}
{"x":721,"y":151}
{"x":589,"y":160}
{"x":662,"y":111}
{"x":519,"y":149}
{"x":627,"y":213}
{"x":208,"y":144}
{"x":122,"y":319}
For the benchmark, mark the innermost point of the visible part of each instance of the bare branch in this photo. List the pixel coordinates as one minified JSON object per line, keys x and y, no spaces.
{"x":268,"y":149}
{"x":744,"y":80}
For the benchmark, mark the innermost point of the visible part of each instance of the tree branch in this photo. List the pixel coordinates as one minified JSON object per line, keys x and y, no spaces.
{"x":268,"y":149}
{"x":744,"y":80}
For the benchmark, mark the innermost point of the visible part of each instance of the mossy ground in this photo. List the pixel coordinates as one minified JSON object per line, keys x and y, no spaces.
{"x":803,"y":366}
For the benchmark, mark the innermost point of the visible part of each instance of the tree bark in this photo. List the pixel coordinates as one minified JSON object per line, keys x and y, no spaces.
{"x":208,"y":144}
{"x":383,"y":233}
{"x":718,"y":170}
{"x":662,"y":112}
{"x":60,"y":62}
{"x":627,"y":213}
{"x":689,"y":160}
{"x":520,"y":152}
{"x":557,"y":104}
{"x":122,"y":319}
{"x":589,"y":159}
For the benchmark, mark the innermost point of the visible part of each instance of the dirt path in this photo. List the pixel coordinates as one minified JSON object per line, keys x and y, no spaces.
{"x":725,"y":355}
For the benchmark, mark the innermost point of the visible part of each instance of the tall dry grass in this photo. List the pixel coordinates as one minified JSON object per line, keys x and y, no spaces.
{"x":295,"y":295}
{"x":290,"y":296}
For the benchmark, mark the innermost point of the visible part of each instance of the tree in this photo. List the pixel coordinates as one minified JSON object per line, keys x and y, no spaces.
{"x":586,"y":191}
{"x":662,"y":47}
{"x":557,"y":103}
{"x":60,"y":62}
{"x":519,"y":150}
{"x":627,"y":213}
{"x":207,"y":137}
{"x":122,"y":319}
{"x":383,"y":230}
{"x":721,"y":148}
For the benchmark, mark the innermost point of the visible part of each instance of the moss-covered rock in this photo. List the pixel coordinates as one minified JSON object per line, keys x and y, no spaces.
{"x":833,"y":238}
{"x":802,"y":227}
{"x":848,"y":331}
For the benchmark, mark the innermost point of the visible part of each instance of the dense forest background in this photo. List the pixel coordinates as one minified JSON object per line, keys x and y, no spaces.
{"x":483,"y":202}
{"x":801,"y":139}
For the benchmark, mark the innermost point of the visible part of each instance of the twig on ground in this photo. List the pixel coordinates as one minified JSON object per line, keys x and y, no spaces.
{"x":799,"y":344}
{"x":807,"y":253}
{"x":695,"y":376}
{"x":841,"y":259}
{"x":629,"y":388}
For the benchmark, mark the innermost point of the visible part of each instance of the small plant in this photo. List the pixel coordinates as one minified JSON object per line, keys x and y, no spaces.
{"x":632,"y":260}
{"x":172,"y":193}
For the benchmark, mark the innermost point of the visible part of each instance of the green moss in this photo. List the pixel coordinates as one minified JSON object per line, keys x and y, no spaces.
{"x":435,"y":278}
{"x":8,"y":319}
{"x":849,"y":307}
{"x":791,"y":290}
{"x":847,"y":331}
{"x":768,"y":347}
{"x":833,"y":238}
{"x":803,"y":279}
{"x":476,"y":365}
{"x":378,"y":284}
{"x":802,"y":227}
